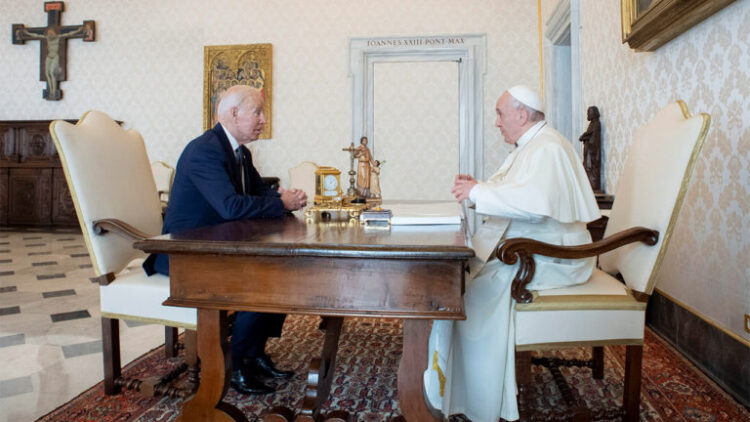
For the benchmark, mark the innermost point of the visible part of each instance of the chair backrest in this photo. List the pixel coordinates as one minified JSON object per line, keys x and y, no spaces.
{"x":651,"y":190}
{"x":163,"y":177}
{"x":109,"y":176}
{"x":302,"y":176}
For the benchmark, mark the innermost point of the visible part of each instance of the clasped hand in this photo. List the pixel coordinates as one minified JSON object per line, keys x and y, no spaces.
{"x":462,"y":186}
{"x":293,"y":199}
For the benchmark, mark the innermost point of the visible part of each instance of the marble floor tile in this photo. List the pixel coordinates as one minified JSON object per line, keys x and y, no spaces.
{"x":39,"y":264}
{"x":67,"y":316}
{"x":46,"y":274}
{"x":58,"y":293}
{"x":81,"y":349}
{"x":10,"y":310}
{"x":12,"y":340}
{"x":15,"y":386}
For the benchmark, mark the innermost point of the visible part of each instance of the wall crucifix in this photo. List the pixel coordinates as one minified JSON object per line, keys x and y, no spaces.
{"x":53,"y":46}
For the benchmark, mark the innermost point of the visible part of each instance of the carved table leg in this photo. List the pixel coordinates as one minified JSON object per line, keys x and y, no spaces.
{"x":319,"y":380}
{"x":320,"y":377}
{"x":410,"y":370}
{"x":213,"y":351}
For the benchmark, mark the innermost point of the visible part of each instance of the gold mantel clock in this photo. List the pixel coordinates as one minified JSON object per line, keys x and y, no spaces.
{"x":327,"y":184}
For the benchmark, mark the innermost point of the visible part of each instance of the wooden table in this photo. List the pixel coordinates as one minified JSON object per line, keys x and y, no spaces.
{"x":333,"y":269}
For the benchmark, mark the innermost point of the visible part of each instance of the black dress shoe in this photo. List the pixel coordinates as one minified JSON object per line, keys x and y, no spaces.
{"x":249,"y":383}
{"x":263,"y":366}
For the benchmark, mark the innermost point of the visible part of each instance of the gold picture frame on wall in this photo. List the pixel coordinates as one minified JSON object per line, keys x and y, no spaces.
{"x":228,"y":65}
{"x":649,"y":24}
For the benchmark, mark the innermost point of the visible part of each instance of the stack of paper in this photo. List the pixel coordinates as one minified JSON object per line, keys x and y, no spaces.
{"x":414,"y":213}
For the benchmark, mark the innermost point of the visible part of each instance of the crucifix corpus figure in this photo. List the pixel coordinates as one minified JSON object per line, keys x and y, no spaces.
{"x":53,"y":45}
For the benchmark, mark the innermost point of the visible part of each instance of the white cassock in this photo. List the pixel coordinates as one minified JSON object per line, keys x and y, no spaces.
{"x":541,"y":192}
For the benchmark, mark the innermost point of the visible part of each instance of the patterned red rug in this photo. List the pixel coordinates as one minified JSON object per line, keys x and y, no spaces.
{"x":365,"y":382}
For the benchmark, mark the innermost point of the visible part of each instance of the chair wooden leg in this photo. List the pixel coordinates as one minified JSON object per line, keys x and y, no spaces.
{"x":170,"y":341}
{"x":597,"y":364}
{"x":111,"y":352}
{"x":632,"y":394}
{"x":523,"y":369}
{"x":191,"y":359}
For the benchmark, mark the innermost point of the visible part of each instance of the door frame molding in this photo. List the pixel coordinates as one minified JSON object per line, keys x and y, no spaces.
{"x":468,"y":50}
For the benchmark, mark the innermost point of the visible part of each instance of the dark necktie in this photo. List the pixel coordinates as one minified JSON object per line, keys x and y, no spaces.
{"x":241,"y":164}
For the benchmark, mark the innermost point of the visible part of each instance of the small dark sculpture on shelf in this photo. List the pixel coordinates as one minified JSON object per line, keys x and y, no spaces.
{"x":592,"y":149}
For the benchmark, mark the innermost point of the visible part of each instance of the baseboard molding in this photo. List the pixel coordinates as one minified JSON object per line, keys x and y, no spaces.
{"x":724,"y":359}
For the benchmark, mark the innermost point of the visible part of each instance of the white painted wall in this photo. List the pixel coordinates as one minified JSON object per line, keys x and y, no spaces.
{"x":146,"y":67}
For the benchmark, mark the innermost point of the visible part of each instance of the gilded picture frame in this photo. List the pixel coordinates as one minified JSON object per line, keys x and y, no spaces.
{"x":649,"y":24}
{"x":228,"y":65}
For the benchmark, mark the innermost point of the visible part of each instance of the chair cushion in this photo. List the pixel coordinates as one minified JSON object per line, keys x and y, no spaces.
{"x":135,"y":296}
{"x":598,"y":312}
{"x":599,"y":284}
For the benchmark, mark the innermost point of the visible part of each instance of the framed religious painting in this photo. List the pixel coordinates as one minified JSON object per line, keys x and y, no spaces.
{"x":228,"y":65}
{"x":649,"y":24}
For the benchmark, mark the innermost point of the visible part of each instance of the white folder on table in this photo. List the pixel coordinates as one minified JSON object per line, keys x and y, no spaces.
{"x":424,"y":213}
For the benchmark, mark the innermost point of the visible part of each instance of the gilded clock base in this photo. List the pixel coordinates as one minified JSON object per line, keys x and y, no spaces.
{"x":334,"y":211}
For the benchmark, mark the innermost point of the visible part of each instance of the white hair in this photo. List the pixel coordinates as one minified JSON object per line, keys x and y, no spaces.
{"x":235,"y":97}
{"x":534,"y":115}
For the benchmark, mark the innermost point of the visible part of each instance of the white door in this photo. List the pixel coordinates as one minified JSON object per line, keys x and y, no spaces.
{"x":416,"y":128}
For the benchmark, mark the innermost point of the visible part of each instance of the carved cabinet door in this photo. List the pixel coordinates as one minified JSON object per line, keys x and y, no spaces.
{"x":3,"y":196}
{"x":63,"y":210}
{"x":29,"y":193}
{"x":33,"y":190}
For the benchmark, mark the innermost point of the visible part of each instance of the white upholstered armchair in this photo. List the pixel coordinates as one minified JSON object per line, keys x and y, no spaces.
{"x":163,"y":177}
{"x":302,"y":176}
{"x":110,"y":180}
{"x":606,"y":310}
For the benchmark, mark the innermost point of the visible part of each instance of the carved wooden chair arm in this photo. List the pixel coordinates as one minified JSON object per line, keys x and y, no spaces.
{"x":511,"y":251}
{"x":120,"y":228}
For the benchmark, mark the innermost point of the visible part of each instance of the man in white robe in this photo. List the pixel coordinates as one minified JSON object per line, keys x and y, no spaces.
{"x":541,"y":192}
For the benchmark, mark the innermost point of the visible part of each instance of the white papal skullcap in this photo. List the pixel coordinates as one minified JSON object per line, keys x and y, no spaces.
{"x":527,"y":96}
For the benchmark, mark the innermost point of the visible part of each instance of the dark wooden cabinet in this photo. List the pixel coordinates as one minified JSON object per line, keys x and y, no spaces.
{"x":33,"y":190}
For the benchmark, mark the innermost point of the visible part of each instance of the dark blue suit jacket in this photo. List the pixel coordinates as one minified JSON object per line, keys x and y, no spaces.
{"x":207,"y":190}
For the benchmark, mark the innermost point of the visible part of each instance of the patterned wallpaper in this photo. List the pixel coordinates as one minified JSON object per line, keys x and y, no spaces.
{"x":146,"y":67}
{"x":707,"y":267}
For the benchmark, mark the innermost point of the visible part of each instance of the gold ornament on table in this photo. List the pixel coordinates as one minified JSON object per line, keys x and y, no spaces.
{"x":375,"y":194}
{"x":330,"y":199}
{"x":365,"y":164}
{"x":327,"y":185}
{"x":368,"y":174}
{"x":352,"y":191}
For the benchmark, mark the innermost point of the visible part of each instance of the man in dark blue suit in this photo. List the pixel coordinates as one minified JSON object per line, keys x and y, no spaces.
{"x":216,"y":182}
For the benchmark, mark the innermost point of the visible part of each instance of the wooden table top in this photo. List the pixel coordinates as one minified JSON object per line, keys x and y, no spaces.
{"x":293,"y":236}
